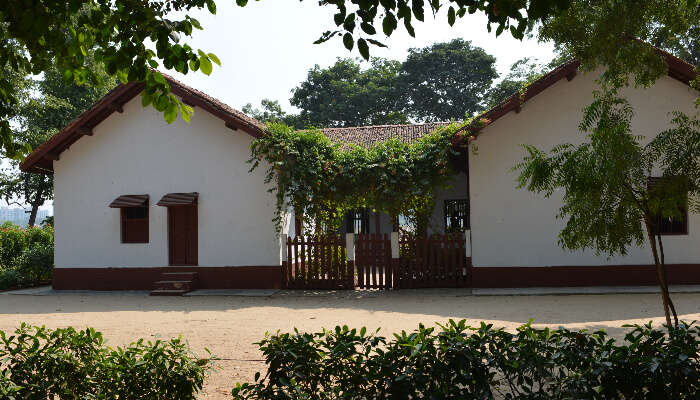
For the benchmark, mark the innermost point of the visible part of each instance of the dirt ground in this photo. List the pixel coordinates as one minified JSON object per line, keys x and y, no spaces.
{"x":228,"y":326}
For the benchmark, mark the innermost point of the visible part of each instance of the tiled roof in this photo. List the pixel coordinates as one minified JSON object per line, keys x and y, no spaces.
{"x":367,"y":136}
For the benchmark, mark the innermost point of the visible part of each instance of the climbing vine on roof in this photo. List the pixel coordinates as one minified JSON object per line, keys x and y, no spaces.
{"x":324,"y":180}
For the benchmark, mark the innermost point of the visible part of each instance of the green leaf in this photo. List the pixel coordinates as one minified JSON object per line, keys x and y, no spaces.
{"x":211,"y":5}
{"x":241,"y":3}
{"x":214,"y":58}
{"x":205,"y":65}
{"x":186,"y":112}
{"x":418,"y":12}
{"x":368,"y":28}
{"x":158,"y":77}
{"x":363,"y":48}
{"x":170,"y":113}
{"x":451,"y":16}
{"x":389,"y":24}
{"x":349,"y":24}
{"x":348,"y":41}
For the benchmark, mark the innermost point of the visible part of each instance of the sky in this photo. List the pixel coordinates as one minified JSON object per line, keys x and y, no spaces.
{"x":266,"y":48}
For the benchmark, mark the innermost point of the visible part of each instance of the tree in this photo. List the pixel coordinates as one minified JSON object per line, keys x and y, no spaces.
{"x":347,"y":95}
{"x":618,"y":35}
{"x":522,"y":73}
{"x":608,"y":201}
{"x":270,"y":111}
{"x":447,"y":81}
{"x":55,"y":104}
{"x":685,"y":46}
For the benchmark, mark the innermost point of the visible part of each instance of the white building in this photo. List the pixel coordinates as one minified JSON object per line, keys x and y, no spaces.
{"x":136,"y":197}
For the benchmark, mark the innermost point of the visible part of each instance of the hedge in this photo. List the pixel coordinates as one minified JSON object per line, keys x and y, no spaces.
{"x":39,"y":363}
{"x":26,"y":255}
{"x":462,"y":362}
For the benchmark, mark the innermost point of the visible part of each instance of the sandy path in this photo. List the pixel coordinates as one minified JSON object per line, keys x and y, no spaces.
{"x":229,"y":325}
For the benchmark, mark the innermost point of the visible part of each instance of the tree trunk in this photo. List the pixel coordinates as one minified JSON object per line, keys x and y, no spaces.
{"x":663,"y":273}
{"x":659,"y":273}
{"x":38,"y":201}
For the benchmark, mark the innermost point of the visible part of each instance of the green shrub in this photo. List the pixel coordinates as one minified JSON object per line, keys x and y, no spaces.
{"x":461,"y":362}
{"x":13,"y":241}
{"x":9,"y":278}
{"x":39,"y":363}
{"x":42,"y":236}
{"x":36,"y":263}
{"x":26,"y":255}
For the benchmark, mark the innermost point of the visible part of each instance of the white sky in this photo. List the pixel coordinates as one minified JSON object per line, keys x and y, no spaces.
{"x":266,"y":48}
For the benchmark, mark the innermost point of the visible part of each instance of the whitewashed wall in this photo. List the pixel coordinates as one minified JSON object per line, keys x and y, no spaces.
{"x":138,"y":153}
{"x":514,"y":227}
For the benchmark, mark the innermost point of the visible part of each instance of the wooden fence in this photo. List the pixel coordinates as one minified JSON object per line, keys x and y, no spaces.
{"x":317,"y":262}
{"x":322,"y":262}
{"x":434,"y":262}
{"x":373,"y":261}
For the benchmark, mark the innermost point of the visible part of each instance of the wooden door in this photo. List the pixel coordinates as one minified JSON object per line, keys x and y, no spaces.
{"x":182,"y":235}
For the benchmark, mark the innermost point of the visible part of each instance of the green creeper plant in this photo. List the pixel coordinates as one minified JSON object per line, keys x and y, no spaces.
{"x":322,"y":180}
{"x":608,"y":202}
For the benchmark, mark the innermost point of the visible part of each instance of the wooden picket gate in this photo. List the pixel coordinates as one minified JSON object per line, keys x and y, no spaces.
{"x":318,"y":262}
{"x":438,"y":261}
{"x":321,"y":262}
{"x":373,"y":261}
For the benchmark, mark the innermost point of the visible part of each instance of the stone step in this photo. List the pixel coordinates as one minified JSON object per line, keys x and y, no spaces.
{"x":173,"y":285}
{"x":178,"y":276}
{"x":160,"y":292}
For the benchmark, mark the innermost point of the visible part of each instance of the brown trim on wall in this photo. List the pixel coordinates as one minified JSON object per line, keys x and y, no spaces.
{"x":612,"y":275}
{"x":142,"y":278}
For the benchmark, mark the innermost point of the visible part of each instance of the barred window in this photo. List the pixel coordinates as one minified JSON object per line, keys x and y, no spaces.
{"x":358,"y":221}
{"x":675,"y":225}
{"x":456,"y":215}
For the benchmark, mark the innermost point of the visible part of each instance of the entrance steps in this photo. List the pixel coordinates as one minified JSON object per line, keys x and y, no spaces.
{"x":174,"y":284}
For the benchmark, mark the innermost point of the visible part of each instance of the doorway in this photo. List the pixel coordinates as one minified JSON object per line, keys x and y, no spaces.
{"x":182,"y":234}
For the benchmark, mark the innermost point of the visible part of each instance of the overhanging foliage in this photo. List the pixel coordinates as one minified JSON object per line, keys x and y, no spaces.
{"x":324,"y":180}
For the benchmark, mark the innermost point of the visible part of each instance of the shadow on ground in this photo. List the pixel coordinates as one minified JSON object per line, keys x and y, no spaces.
{"x":427,"y":304}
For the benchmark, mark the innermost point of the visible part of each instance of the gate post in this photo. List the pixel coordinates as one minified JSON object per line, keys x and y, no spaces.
{"x":285,"y":261}
{"x":468,"y":243}
{"x":350,"y":251}
{"x":394,"y":260}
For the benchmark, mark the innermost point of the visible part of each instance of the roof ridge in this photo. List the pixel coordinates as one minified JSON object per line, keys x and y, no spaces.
{"x":385,"y":126}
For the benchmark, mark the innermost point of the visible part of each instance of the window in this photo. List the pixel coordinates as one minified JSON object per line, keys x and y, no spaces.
{"x":134,"y":224}
{"x":675,"y":225}
{"x":456,"y":215}
{"x":358,"y":221}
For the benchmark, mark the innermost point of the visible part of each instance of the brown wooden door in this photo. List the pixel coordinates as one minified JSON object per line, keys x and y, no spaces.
{"x":182,"y":235}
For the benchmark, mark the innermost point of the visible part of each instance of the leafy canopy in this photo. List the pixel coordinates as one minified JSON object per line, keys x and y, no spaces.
{"x":447,"y":80}
{"x":46,"y":106}
{"x":617,"y":35}
{"x":345,"y":94}
{"x":323,"y":181}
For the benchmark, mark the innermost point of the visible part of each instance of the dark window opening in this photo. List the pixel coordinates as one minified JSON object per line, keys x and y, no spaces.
{"x":673,"y":225}
{"x":134,"y":224}
{"x":358,"y":221}
{"x":456,"y":215}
